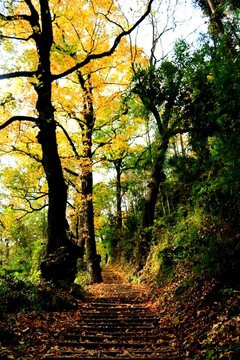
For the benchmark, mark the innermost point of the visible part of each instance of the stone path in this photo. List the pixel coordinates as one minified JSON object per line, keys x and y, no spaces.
{"x":116,"y":323}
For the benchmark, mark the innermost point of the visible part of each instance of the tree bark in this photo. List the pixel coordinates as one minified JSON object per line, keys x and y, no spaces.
{"x":57,"y":189}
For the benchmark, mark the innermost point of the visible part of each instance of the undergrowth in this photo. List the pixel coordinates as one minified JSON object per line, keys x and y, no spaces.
{"x":201,"y":245}
{"x":17,"y":295}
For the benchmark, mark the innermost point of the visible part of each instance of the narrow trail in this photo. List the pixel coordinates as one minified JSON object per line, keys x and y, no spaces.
{"x":116,"y":322}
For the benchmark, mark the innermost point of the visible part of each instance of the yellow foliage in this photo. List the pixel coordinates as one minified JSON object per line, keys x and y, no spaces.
{"x":80,"y":28}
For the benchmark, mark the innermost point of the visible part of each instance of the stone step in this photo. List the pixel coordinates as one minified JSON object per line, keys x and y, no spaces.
{"x":80,"y":357}
{"x":119,"y":334}
{"x":112,"y":305}
{"x":108,"y":328}
{"x":165,"y":353}
{"x":144,"y":354}
{"x":123,"y":345}
{"x":115,"y":313}
{"x":114,"y":309}
{"x":75,"y":356}
{"x":102,"y":337}
{"x":116,"y":321}
{"x":120,"y":316}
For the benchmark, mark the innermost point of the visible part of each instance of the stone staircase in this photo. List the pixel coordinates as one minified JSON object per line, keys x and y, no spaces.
{"x":116,"y":323}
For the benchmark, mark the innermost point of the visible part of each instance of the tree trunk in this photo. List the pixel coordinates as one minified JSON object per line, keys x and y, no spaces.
{"x":47,"y":138}
{"x":157,"y":177}
{"x":57,"y":189}
{"x":87,"y":212}
{"x":63,"y":265}
{"x":93,"y":259}
{"x":117,"y":164}
{"x":147,"y":220}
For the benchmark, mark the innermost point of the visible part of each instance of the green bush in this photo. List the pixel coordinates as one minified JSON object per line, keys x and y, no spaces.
{"x":19,"y":296}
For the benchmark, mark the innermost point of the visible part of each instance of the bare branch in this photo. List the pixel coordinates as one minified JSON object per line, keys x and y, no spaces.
{"x":18,"y":118}
{"x":31,"y":208}
{"x":101,"y":145}
{"x":2,"y":224}
{"x":74,"y":186}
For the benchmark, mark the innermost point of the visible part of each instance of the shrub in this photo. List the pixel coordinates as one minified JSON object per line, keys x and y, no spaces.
{"x":20,"y":296}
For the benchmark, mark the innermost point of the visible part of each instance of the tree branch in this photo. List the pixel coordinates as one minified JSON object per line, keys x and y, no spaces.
{"x":111,"y":21}
{"x":108,"y":52}
{"x":32,"y":156}
{"x":14,"y":17}
{"x":18,"y":118}
{"x":16,"y":37}
{"x":18,"y":74}
{"x":71,"y":172}
{"x":69,"y":139}
{"x":27,"y":212}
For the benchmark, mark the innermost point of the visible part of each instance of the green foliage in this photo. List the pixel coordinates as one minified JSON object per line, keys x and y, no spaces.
{"x":198,"y":245}
{"x":22,"y":295}
{"x":18,"y":295}
{"x":197,"y":218}
{"x":82,"y":278}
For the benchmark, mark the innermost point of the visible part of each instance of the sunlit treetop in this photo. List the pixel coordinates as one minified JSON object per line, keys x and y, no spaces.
{"x":79,"y":28}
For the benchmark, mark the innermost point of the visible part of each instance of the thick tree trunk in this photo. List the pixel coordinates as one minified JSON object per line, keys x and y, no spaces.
{"x":61,"y":261}
{"x":57,"y":189}
{"x":61,"y":265}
